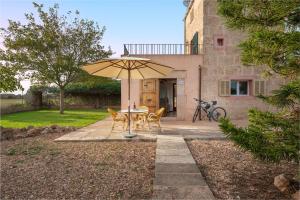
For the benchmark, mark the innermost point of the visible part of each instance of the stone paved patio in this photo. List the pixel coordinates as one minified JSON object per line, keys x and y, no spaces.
{"x":101,"y":131}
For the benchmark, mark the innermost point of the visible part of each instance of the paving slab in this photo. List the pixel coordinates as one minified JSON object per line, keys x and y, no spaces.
{"x":172,"y":147}
{"x":170,"y":142}
{"x":176,"y":168}
{"x":171,"y":137}
{"x":179,"y":179}
{"x":183,"y":192}
{"x":172,"y":152}
{"x":175,"y":159}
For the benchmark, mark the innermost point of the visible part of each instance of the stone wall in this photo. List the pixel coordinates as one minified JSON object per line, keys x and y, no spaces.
{"x":17,"y":108}
{"x":84,"y":101}
{"x":193,"y":22}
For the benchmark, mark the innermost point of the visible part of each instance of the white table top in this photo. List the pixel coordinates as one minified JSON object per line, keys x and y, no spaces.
{"x":134,"y":111}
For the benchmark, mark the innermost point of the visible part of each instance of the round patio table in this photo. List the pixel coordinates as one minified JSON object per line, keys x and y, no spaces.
{"x":133,"y":112}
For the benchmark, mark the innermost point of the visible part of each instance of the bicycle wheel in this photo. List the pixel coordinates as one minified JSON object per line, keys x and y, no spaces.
{"x":218,"y":113}
{"x":197,"y":111}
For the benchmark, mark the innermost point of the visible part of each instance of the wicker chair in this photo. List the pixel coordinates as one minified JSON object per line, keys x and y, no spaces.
{"x":155,"y":117}
{"x":118,"y":118}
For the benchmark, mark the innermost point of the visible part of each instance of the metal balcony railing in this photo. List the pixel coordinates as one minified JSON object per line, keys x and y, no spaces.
{"x":162,"y":49}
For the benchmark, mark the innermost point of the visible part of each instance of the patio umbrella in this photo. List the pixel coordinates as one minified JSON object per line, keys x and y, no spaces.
{"x":127,"y":68}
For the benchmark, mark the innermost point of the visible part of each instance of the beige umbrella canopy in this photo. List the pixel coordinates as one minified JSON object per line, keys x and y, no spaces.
{"x":140,"y":68}
{"x":127,"y":68}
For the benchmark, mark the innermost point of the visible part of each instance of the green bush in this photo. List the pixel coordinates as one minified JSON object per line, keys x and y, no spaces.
{"x":101,"y":88}
{"x":269,"y":136}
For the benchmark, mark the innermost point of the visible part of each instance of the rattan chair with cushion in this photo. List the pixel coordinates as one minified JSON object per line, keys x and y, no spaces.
{"x":118,"y":118}
{"x":155,"y":117}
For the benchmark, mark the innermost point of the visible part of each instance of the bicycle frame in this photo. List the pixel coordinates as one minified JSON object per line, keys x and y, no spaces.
{"x":202,"y":105}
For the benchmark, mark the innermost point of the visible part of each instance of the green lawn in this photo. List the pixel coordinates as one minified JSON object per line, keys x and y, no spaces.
{"x":77,"y":118}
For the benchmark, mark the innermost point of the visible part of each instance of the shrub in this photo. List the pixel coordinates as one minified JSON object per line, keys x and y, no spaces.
{"x":269,"y":136}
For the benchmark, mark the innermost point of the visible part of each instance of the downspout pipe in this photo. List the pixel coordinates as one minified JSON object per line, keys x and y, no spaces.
{"x":200,"y":80}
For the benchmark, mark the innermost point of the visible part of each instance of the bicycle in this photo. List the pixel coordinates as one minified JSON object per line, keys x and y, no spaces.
{"x":215,"y":113}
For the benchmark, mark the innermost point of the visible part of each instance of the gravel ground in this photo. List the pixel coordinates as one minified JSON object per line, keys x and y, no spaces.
{"x":232,"y":173}
{"x":33,"y":168}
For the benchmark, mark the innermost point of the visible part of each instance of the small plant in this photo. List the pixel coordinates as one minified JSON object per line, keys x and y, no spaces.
{"x":33,"y":150}
{"x":11,"y":151}
{"x":25,"y":149}
{"x":102,"y":166}
{"x":54,"y":152}
{"x":20,"y":161}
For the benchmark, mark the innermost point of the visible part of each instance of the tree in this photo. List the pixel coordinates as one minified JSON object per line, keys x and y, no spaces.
{"x":8,"y":82}
{"x":53,"y":47}
{"x":273,"y":43}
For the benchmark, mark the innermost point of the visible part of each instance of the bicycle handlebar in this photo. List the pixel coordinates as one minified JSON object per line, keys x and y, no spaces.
{"x":199,"y":100}
{"x":204,"y":102}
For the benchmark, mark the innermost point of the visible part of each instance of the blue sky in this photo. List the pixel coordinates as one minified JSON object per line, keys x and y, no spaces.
{"x":127,"y":21}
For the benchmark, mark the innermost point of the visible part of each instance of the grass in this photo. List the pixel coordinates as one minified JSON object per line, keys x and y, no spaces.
{"x":76,"y":118}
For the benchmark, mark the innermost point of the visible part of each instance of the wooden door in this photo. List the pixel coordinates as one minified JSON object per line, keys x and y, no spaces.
{"x":149,"y":91}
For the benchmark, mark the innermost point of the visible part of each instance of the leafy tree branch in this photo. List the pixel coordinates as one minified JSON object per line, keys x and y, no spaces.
{"x":52,"y":47}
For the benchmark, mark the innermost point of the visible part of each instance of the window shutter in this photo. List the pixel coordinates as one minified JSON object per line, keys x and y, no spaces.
{"x":262,"y":87}
{"x":259,"y":87}
{"x":224,"y":88}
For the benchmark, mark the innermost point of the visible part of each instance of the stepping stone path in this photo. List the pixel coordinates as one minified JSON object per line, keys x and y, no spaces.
{"x":176,"y":173}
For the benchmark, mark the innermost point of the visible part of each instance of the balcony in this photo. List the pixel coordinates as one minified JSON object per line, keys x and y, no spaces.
{"x":162,"y":49}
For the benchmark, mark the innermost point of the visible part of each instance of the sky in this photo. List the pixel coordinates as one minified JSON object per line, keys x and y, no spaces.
{"x":126,"y":21}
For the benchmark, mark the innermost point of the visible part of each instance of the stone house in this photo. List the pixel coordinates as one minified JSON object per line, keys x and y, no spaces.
{"x":207,"y":66}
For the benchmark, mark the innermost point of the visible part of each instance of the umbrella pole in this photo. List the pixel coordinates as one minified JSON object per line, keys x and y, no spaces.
{"x":129,"y":101}
{"x":129,"y":134}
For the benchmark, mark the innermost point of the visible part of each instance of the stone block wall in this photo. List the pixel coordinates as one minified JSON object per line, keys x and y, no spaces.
{"x":193,"y":22}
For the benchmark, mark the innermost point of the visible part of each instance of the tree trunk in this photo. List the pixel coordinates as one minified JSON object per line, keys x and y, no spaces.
{"x":61,"y":101}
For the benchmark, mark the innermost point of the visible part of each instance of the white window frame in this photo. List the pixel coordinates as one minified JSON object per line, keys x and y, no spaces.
{"x":238,"y":88}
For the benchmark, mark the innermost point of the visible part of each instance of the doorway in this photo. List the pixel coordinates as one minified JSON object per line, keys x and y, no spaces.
{"x":168,"y":96}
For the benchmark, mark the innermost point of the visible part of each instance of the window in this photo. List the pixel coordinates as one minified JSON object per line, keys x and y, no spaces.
{"x":220,"y":42}
{"x":239,"y":88}
{"x":194,"y":44}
